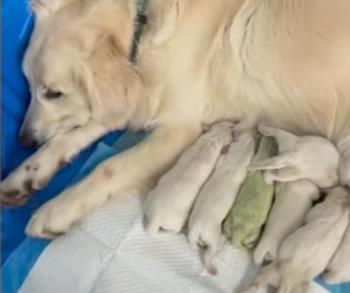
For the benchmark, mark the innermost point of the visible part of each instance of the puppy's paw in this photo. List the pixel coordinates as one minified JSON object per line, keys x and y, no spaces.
{"x":265,"y":252}
{"x":156,"y":225}
{"x":55,"y":217}
{"x":209,"y":240}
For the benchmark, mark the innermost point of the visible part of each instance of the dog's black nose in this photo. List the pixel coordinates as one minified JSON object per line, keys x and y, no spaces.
{"x":27,"y":139}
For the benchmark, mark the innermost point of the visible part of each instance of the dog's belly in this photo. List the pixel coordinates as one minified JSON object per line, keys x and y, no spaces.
{"x":292,"y":66}
{"x":286,"y":62}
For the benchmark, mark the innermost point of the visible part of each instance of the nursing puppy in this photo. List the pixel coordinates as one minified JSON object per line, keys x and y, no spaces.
{"x":294,"y":269}
{"x":217,"y":196}
{"x":292,"y":202}
{"x":300,"y":157}
{"x":168,"y":205}
{"x":338,"y":270}
{"x":198,"y":63}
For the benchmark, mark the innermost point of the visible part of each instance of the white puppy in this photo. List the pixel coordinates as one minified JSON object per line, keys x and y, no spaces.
{"x":168,"y":205}
{"x":306,"y":252}
{"x":306,"y":157}
{"x":292,"y":201}
{"x":338,"y":270}
{"x":217,"y":197}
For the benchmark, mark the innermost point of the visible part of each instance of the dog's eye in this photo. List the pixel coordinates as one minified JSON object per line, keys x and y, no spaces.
{"x":53,"y":94}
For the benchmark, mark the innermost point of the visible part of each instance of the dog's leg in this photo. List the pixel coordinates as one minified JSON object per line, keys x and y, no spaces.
{"x":131,"y":172}
{"x":35,"y":172}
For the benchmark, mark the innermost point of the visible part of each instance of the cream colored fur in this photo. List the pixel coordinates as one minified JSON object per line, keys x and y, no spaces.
{"x":284,"y":62}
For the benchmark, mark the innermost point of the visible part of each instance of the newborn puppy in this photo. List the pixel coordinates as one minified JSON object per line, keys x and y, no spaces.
{"x":292,"y":201}
{"x":245,"y":220}
{"x":217,"y":196}
{"x":168,"y":205}
{"x":306,"y":157}
{"x":338,"y":270}
{"x":306,"y":252}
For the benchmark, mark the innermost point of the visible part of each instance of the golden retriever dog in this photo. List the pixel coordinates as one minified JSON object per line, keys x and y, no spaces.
{"x":285,"y":63}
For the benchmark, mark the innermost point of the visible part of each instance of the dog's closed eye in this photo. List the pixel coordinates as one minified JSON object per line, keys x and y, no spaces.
{"x":53,"y":94}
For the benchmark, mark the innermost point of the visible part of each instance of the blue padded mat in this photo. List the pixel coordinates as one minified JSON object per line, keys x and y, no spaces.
{"x":16,"y":28}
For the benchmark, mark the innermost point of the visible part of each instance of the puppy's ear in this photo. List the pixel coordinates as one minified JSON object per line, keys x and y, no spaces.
{"x":285,"y":174}
{"x":285,"y":140}
{"x":44,"y":8}
{"x":113,"y":86}
{"x":277,"y":162}
{"x":279,"y":168}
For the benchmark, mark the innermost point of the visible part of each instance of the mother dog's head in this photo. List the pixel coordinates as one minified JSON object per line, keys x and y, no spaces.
{"x":77,"y":67}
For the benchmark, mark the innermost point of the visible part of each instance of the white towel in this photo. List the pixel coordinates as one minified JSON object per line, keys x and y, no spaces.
{"x":109,"y":252}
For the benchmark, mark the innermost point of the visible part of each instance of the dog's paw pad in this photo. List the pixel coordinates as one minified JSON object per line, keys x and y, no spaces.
{"x":13,"y":197}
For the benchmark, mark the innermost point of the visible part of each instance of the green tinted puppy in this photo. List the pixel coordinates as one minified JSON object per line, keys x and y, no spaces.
{"x":243,"y":225}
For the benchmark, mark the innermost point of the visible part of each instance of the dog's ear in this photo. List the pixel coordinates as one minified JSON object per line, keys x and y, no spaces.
{"x":114,"y":88}
{"x":44,"y":8}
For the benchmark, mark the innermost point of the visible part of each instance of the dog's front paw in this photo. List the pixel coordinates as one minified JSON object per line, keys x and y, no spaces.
{"x":12,"y":195}
{"x":55,"y":217}
{"x":16,"y":189}
{"x":32,"y":175}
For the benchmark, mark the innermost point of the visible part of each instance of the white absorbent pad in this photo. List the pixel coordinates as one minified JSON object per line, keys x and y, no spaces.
{"x":110,"y":252}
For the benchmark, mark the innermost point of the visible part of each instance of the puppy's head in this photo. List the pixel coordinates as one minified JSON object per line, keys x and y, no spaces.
{"x":78,"y":69}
